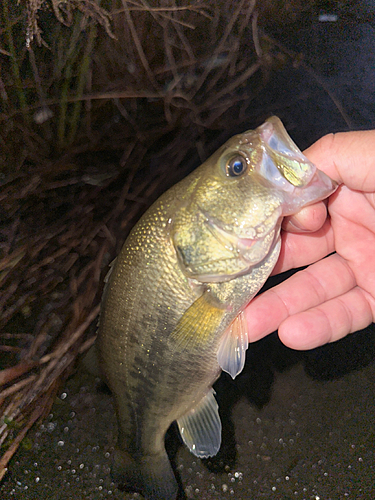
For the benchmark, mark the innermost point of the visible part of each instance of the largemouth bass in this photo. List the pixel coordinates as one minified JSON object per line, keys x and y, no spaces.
{"x":172,"y":315}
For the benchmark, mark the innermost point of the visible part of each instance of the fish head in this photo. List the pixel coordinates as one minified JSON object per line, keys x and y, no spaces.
{"x":230,"y":216}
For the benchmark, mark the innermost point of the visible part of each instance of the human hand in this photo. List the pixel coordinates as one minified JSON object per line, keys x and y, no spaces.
{"x":335,"y":294}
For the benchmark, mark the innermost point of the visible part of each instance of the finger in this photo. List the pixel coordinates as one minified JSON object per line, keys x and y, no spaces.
{"x":310,"y":218}
{"x":328,"y":322}
{"x":324,"y":280}
{"x":347,"y":157}
{"x":299,"y":250}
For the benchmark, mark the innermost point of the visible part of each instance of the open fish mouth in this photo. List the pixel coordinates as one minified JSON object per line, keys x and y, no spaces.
{"x":282,"y":163}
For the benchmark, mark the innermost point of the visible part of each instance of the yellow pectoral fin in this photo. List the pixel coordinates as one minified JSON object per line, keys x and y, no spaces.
{"x":198,"y":325}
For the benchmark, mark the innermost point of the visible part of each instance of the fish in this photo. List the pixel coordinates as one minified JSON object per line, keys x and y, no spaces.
{"x":172,"y":315}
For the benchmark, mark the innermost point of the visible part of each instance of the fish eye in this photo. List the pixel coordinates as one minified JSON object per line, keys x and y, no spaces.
{"x":236,"y":166}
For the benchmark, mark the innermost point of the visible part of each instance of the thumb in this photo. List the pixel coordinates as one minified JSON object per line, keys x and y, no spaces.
{"x":347,"y":157}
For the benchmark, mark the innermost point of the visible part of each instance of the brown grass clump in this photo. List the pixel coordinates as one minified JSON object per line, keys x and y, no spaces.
{"x":104,"y":106}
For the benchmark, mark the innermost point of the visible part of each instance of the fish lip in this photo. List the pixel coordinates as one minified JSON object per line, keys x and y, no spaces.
{"x":274,"y":128}
{"x":276,"y":141}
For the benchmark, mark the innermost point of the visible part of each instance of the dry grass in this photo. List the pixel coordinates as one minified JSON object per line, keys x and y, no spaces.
{"x":102,"y":110}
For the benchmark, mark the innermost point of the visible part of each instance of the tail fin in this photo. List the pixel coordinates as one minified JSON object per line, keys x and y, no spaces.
{"x":152,"y":476}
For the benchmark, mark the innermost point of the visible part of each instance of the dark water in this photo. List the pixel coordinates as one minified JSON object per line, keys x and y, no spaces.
{"x":337,"y":73}
{"x":296,"y":425}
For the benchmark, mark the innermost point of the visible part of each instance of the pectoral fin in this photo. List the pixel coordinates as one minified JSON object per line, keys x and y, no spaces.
{"x":200,"y":429}
{"x":232,"y":351}
{"x":198,"y":325}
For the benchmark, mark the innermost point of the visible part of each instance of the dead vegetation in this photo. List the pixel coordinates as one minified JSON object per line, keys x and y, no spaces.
{"x":104,"y":106}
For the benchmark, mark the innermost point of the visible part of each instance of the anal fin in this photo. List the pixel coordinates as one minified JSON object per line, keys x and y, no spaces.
{"x":90,"y":362}
{"x":200,"y":428}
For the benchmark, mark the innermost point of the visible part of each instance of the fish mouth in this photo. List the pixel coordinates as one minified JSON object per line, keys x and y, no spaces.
{"x":283,"y":167}
{"x":283,"y":163}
